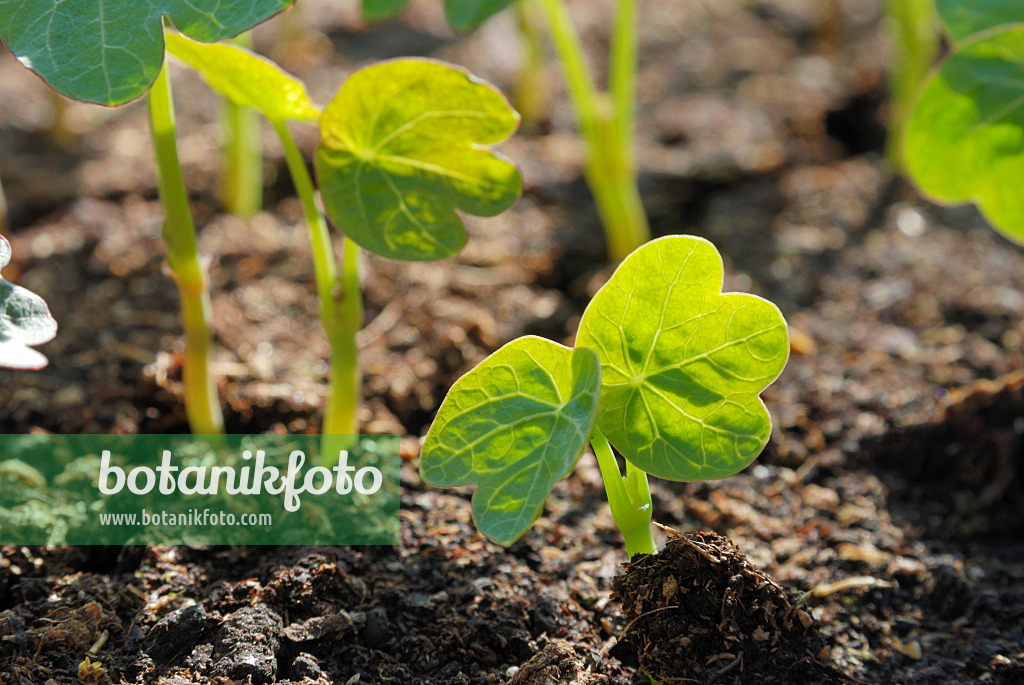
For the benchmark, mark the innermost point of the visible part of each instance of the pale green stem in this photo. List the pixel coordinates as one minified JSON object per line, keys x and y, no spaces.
{"x":915,"y":43}
{"x":629,"y":498}
{"x":610,"y":168}
{"x":241,"y":155}
{"x":531,"y":87}
{"x":4,"y":222}
{"x":201,"y":403}
{"x":341,"y":304}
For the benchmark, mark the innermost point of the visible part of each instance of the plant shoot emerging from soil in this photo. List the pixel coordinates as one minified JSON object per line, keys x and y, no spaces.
{"x":965,"y":138}
{"x":25,"y":320}
{"x":403,"y":146}
{"x":666,"y":368}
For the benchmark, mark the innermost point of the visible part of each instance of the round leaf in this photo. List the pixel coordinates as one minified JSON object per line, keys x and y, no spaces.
{"x":246,"y":79}
{"x":965,"y":139}
{"x":964,"y":18}
{"x":515,"y":425}
{"x":682,"y":365}
{"x":404,"y":146}
{"x":110,"y":51}
{"x":24,"y":320}
{"x":378,"y":10}
{"x":464,"y":15}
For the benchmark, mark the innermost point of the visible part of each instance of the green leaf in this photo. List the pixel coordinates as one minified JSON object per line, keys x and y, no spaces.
{"x":965,"y":138}
{"x":24,"y":320}
{"x":110,"y":51}
{"x":246,"y":79}
{"x":404,"y":146}
{"x":379,"y":10}
{"x":682,"y":365}
{"x":463,"y":15}
{"x":515,"y":425}
{"x":964,"y":18}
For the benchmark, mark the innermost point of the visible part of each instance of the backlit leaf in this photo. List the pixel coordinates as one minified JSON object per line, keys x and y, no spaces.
{"x":515,"y":425}
{"x":463,"y":15}
{"x":24,"y":320}
{"x":245,"y":78}
{"x":965,"y":139}
{"x":404,"y":145}
{"x":110,"y":51}
{"x":682,"y":365}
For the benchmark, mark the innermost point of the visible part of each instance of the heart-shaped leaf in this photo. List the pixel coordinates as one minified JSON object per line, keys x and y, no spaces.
{"x":463,"y":15}
{"x":246,"y":79}
{"x":110,"y":51}
{"x":515,"y":425}
{"x":24,"y":320}
{"x":404,"y":146}
{"x":964,"y":18}
{"x":682,"y":365}
{"x":965,"y":139}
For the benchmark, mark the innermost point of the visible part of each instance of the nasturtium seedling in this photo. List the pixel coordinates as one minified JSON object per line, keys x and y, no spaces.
{"x":463,"y":15}
{"x":25,"y":320}
{"x":404,"y":144}
{"x":965,"y":139}
{"x":677,"y":367}
{"x":110,"y":51}
{"x":964,"y":18}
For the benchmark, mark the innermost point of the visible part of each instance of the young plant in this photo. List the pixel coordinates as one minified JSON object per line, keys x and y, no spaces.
{"x":607,"y":120}
{"x":404,"y":144}
{"x":965,"y":139}
{"x":110,"y":53}
{"x":666,"y":368}
{"x":915,"y":40}
{"x":25,"y":321}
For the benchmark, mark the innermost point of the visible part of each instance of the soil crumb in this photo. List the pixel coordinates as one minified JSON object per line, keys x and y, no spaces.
{"x":701,"y":612}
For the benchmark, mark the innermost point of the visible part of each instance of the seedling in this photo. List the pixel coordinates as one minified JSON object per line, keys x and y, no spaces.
{"x":965,"y":139}
{"x":403,"y":145}
{"x":109,"y":53}
{"x":666,"y":368}
{"x":607,"y":120}
{"x":25,"y":320}
{"x":915,"y":41}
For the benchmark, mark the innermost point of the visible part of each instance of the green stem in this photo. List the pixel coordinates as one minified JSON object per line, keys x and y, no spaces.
{"x":4,"y":222}
{"x":629,"y":498}
{"x":341,"y":304}
{"x":530,"y":91}
{"x":913,"y":34}
{"x":201,"y":403}
{"x":241,"y":175}
{"x":607,"y":125}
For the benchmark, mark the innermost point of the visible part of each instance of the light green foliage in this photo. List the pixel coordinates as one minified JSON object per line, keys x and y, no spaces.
{"x":24,"y":320}
{"x":682,"y":365}
{"x":965,"y":140}
{"x":964,"y":18}
{"x":515,"y":425}
{"x":678,"y":370}
{"x":246,"y":79}
{"x":463,"y":15}
{"x":110,"y":51}
{"x":404,"y":145}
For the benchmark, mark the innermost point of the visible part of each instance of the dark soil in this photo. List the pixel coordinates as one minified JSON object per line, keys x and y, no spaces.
{"x":889,"y":502}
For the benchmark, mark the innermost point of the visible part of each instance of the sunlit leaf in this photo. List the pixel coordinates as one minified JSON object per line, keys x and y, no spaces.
{"x":24,"y":320}
{"x":964,"y":18}
{"x":515,"y":425}
{"x":682,"y":365}
{"x":245,"y":78}
{"x":404,"y":145}
{"x":965,"y":139}
{"x":110,"y":51}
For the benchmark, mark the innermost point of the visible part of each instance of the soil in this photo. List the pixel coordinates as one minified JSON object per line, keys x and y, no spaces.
{"x":887,"y":508}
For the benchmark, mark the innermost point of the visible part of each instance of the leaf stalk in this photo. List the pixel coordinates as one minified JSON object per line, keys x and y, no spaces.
{"x":629,"y":498}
